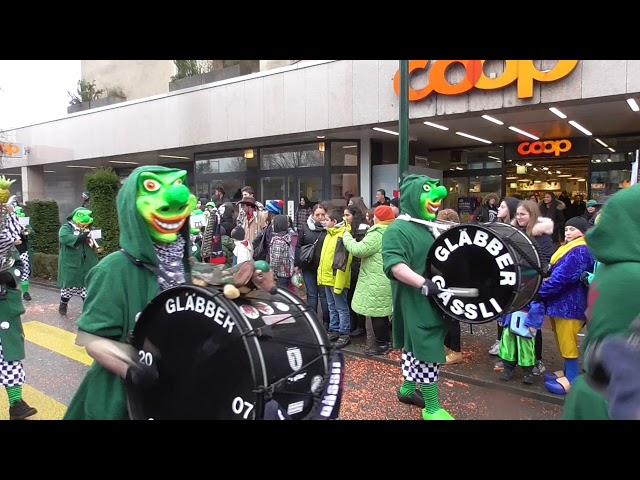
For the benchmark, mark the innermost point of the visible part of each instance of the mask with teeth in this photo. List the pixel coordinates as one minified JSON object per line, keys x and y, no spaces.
{"x":165,"y":203}
{"x":421,"y":196}
{"x":431,"y":198}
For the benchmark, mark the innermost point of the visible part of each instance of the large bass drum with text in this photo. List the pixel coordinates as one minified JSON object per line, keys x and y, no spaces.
{"x":496,"y":258}
{"x":225,"y":359}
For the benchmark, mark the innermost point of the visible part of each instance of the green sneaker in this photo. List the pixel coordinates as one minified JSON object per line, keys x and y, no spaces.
{"x":440,"y":414}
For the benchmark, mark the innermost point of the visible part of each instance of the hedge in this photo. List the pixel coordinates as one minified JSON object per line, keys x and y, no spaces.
{"x":45,"y":224}
{"x":45,"y":266}
{"x":103,"y":186}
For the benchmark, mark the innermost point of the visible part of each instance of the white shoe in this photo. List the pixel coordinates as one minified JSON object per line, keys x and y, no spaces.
{"x":495,"y":348}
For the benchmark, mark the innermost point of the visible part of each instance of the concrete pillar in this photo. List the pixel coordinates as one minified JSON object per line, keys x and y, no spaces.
{"x":365,"y":169}
{"x":33,"y":183}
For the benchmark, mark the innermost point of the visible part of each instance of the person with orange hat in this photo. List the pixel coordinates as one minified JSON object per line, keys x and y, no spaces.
{"x":372,"y":297}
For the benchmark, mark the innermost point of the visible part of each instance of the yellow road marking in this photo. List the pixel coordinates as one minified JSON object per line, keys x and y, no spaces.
{"x":48,"y":408}
{"x":57,"y":340}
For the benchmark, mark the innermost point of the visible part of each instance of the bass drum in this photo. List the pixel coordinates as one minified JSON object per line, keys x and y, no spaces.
{"x":496,"y":258}
{"x":224,"y":360}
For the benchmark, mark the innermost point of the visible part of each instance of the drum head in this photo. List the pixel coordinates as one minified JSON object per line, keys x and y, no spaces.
{"x":195,"y":340}
{"x":292,"y":347}
{"x":477,"y":256}
{"x":221,"y":359}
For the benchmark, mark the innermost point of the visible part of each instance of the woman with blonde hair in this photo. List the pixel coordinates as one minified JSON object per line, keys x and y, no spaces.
{"x":540,"y":230}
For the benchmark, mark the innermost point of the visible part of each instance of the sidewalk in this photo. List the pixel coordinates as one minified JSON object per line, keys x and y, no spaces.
{"x":477,"y":365}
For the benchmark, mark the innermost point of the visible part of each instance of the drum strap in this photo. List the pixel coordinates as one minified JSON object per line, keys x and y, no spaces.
{"x":152,"y":268}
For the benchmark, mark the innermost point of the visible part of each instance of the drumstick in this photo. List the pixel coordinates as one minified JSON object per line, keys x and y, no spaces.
{"x":462,"y":292}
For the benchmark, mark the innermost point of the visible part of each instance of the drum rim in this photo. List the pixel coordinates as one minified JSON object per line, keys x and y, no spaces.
{"x":485,"y":226}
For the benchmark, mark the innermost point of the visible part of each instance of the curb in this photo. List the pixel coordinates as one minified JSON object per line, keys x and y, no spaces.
{"x":543,"y":397}
{"x":48,"y":286}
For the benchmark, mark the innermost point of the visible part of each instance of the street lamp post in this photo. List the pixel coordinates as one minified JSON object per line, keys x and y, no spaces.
{"x":403,"y":147}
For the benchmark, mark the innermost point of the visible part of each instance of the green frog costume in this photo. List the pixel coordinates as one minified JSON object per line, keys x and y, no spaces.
{"x":76,"y":257}
{"x":418,"y":327}
{"x":154,"y":206}
{"x":613,"y":300}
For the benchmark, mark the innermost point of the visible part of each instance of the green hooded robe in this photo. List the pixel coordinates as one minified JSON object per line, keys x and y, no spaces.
{"x":417,"y":325}
{"x":111,"y":312}
{"x":11,"y":308}
{"x":76,"y":257}
{"x":613,"y":295}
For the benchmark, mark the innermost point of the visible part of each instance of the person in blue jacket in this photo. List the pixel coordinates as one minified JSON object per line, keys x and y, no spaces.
{"x":564,"y":297}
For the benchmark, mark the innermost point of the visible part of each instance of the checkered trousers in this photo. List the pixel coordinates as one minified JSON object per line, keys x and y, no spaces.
{"x":11,"y":373}
{"x":26,"y":267}
{"x":67,"y":293}
{"x":414,"y":370}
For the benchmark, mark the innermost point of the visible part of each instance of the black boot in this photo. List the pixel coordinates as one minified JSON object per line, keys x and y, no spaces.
{"x":62,"y":309}
{"x":378,"y":349}
{"x":26,"y":296}
{"x":528,"y":377}
{"x":509,"y":369}
{"x":21,"y":410}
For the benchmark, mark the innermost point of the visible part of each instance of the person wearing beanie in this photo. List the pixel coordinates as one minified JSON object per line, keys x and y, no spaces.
{"x":591,"y":213}
{"x":242,"y":251}
{"x":384,"y":213}
{"x":578,"y":223}
{"x":563,"y":297}
{"x":276,"y":207}
{"x":372,"y":295}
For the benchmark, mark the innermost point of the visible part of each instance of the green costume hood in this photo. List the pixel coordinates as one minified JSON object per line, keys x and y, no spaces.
{"x":135,"y":237}
{"x":611,"y":239}
{"x":421,"y":196}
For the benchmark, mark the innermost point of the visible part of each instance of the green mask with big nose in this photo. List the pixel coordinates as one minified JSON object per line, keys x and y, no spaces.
{"x":164,"y":201}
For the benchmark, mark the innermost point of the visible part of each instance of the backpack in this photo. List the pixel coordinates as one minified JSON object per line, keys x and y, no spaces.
{"x":279,"y":256}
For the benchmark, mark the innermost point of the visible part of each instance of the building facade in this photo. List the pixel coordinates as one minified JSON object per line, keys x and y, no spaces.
{"x":327,"y":129}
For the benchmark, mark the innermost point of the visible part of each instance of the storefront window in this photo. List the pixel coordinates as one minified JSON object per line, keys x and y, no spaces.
{"x":605,"y":158}
{"x":343,"y":184}
{"x":609,"y":182}
{"x":225,"y":163}
{"x":311,"y":187}
{"x":292,"y":156}
{"x":344,"y":154}
{"x":466,"y":193}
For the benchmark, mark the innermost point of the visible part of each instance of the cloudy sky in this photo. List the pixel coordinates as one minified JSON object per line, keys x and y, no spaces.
{"x":33,"y":91}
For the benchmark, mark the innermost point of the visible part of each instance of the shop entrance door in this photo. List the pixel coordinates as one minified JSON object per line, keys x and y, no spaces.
{"x":290,"y":188}
{"x":532,"y":178}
